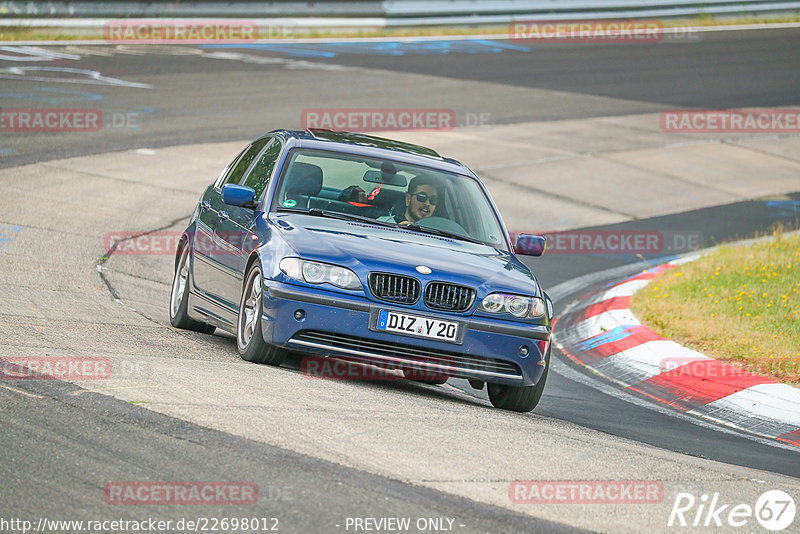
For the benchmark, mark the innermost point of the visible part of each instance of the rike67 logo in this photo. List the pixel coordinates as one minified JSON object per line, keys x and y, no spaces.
{"x":774,"y":510}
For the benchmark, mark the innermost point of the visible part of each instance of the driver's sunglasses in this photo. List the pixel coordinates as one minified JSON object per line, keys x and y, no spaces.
{"x":422,"y":197}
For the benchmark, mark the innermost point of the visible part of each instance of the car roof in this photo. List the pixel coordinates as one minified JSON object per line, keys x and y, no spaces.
{"x":357,"y":143}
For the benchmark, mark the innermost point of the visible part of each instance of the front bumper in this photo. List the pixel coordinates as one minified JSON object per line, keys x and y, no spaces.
{"x":336,"y":324}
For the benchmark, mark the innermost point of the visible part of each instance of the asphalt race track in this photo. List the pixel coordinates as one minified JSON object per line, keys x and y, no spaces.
{"x":321,"y":452}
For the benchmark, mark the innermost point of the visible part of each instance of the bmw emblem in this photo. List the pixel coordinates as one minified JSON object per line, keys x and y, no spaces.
{"x":421,"y":269}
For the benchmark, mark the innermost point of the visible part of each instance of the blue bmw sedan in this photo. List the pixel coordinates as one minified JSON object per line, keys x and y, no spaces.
{"x":349,"y":246}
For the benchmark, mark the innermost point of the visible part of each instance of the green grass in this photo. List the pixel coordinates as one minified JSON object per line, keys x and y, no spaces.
{"x":739,"y":304}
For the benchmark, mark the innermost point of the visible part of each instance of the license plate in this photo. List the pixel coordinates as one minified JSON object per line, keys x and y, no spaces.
{"x":414,"y":325}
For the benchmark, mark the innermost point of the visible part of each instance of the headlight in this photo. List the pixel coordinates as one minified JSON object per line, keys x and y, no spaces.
{"x":314,"y":272}
{"x":516,"y":305}
{"x":494,"y":303}
{"x":341,"y":277}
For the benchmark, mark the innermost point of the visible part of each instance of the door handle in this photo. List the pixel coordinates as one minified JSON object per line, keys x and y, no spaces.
{"x":224,"y":215}
{"x":205,"y":205}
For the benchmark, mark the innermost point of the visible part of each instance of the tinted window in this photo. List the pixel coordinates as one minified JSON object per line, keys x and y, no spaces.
{"x":262,"y":171}
{"x":223,"y":176}
{"x":244,"y":162}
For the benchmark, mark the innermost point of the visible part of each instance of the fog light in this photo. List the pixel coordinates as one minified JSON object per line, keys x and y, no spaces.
{"x":523,"y":351}
{"x":299,"y":315}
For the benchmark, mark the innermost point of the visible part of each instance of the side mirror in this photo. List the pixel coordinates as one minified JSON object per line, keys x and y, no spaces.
{"x":530,"y":245}
{"x":239,"y":195}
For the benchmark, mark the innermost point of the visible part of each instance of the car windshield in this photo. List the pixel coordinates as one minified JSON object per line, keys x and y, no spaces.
{"x":388,"y":191}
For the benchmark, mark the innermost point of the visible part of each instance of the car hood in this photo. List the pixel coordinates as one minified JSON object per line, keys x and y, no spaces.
{"x":368,"y":248}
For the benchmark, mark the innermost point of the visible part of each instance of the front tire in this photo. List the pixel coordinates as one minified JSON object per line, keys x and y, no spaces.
{"x":519,"y":399}
{"x":249,"y":339}
{"x":179,"y":297}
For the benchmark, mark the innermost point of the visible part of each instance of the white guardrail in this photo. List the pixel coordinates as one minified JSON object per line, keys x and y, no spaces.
{"x":362,"y":13}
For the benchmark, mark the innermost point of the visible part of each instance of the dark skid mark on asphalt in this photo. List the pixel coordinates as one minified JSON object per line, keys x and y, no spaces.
{"x":110,"y":252}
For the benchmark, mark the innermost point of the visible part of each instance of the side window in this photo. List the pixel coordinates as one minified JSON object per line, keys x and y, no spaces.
{"x":262,"y":171}
{"x":223,"y":176}
{"x":244,"y":162}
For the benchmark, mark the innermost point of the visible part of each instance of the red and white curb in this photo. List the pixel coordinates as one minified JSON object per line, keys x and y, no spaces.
{"x":601,"y":333}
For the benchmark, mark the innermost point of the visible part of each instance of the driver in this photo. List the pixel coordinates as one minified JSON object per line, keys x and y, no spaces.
{"x":421,"y":200}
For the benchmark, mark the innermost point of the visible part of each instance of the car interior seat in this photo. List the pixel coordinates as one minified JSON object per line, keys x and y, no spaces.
{"x":305,"y":181}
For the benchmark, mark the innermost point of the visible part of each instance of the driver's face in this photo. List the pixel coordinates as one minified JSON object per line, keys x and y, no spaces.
{"x":416,"y":209}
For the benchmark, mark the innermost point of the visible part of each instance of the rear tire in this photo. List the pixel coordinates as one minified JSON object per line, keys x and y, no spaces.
{"x":519,"y":399}
{"x":179,"y":297}
{"x":249,"y":339}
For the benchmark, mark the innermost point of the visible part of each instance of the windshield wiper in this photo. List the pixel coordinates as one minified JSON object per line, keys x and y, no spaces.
{"x":316,"y":212}
{"x":443,"y":233}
